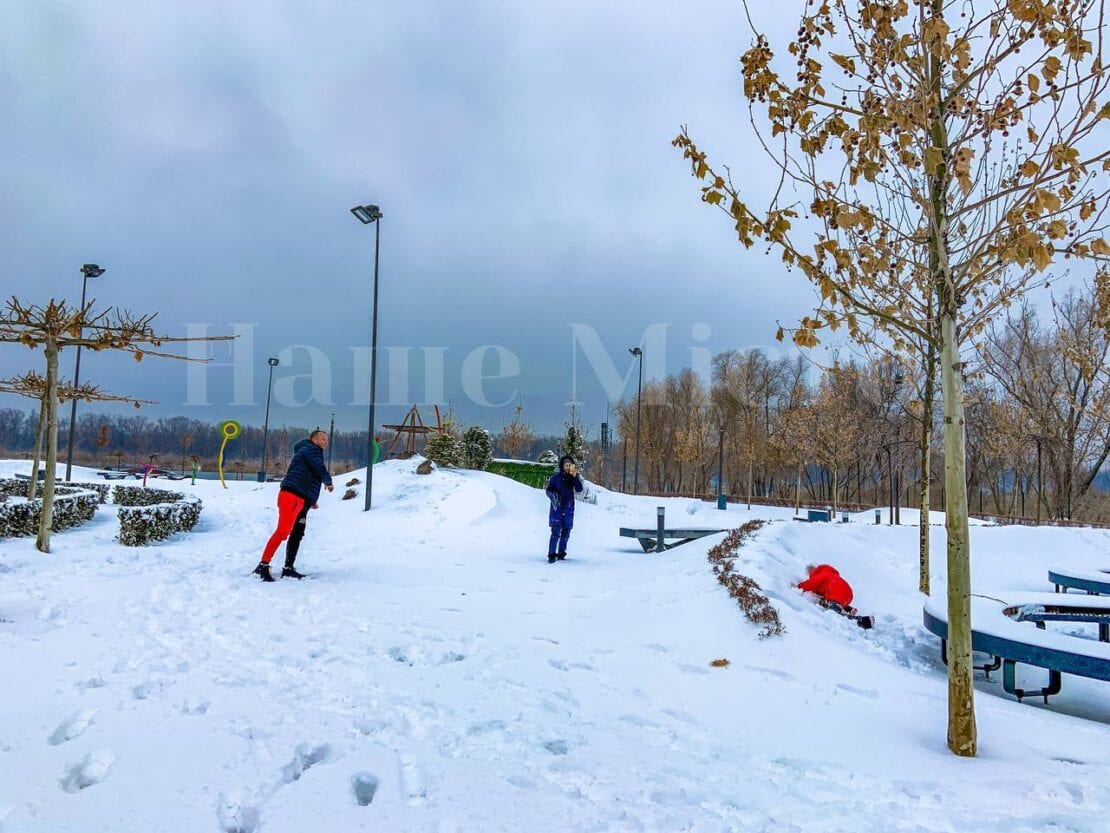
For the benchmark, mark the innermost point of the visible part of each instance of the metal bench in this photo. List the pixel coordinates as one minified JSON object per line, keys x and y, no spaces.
{"x":649,"y":538}
{"x":1095,"y":584}
{"x":655,"y":540}
{"x":1000,"y":632}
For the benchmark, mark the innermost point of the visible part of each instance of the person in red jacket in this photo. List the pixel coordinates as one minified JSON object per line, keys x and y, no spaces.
{"x":833,"y":592}
{"x":826,"y":582}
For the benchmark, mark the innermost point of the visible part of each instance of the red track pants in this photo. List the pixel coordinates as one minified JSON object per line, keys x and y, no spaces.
{"x":289,"y":506}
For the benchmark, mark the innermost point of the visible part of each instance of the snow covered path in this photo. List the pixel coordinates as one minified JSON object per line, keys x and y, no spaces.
{"x":436,"y":674}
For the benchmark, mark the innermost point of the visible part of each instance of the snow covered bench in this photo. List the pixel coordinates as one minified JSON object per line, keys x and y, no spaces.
{"x":1000,"y":628}
{"x":1097,"y":583}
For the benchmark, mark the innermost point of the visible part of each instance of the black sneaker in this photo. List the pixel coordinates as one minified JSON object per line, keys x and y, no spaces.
{"x":551,"y":558}
{"x":562,"y":556}
{"x":263,"y":571}
{"x":291,"y":572}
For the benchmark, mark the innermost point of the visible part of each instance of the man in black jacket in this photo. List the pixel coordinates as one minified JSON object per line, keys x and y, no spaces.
{"x":299,"y":492}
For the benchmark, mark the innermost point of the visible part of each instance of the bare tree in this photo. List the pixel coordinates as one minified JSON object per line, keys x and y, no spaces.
{"x":53,"y":328}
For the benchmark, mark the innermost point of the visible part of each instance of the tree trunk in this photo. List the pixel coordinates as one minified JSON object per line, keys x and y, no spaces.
{"x":835,"y":487}
{"x":751,"y":465}
{"x":926,"y":444}
{"x":46,"y":517}
{"x":37,"y":457}
{"x":961,"y":692}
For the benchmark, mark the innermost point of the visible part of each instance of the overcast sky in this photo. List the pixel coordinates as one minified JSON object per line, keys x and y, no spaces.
{"x":207,"y":155}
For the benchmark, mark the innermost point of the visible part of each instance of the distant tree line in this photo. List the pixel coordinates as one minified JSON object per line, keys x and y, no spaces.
{"x":1038,"y":424}
{"x":1038,"y":411}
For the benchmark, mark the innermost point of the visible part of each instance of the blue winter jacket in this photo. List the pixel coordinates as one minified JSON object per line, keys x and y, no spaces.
{"x":306,"y":472}
{"x":560,"y":491}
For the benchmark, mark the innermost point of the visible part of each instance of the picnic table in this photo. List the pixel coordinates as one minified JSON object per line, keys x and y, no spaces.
{"x":1000,"y":631}
{"x":1095,"y":584}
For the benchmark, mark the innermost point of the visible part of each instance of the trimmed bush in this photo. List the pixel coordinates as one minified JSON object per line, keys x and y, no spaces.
{"x":747,"y":593}
{"x":147,"y":515}
{"x":73,"y":506}
{"x":102,"y":489}
{"x":139,"y":496}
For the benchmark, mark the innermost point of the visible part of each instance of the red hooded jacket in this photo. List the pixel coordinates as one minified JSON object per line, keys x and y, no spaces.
{"x":826,"y":582}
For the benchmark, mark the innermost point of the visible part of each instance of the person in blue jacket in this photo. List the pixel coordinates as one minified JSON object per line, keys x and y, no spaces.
{"x":300,"y":489}
{"x":560,"y":491}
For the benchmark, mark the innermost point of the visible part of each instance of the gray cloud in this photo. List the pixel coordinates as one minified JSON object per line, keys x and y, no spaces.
{"x":207,"y":155}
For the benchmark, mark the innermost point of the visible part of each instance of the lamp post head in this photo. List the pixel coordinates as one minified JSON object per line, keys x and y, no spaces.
{"x":91,"y":270}
{"x":635,"y":351}
{"x":367,"y":214}
{"x":272,"y":362}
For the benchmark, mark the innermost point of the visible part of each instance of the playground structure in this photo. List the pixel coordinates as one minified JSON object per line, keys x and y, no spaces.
{"x":411,"y":427}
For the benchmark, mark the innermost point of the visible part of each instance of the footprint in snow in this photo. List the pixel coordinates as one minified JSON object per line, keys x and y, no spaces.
{"x":412,"y":784}
{"x":364,"y":785}
{"x":556,"y":747}
{"x":305,"y":756}
{"x":486,"y":727}
{"x":692,"y":669}
{"x":236,"y":816}
{"x":862,"y":692}
{"x":92,"y":770}
{"x":72,"y":726}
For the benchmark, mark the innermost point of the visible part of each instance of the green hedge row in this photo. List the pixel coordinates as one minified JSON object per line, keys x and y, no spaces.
{"x":74,"y":504}
{"x":530,"y":474}
{"x":147,"y":515}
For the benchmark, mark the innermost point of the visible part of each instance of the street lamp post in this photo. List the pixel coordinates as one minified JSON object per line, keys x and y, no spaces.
{"x":89,"y":270}
{"x":639,"y":354}
{"x":367,"y":214}
{"x":272,"y":362}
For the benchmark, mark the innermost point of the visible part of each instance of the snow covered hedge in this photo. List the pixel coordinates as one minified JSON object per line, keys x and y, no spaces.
{"x":102,"y":489}
{"x":73,"y":505}
{"x":147,"y":515}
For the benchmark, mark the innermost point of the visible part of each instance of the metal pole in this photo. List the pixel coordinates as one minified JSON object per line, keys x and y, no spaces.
{"x":890,"y":485}
{"x":331,"y":439}
{"x":721,"y":469}
{"x":624,"y":468}
{"x":898,"y":474}
{"x":373,"y":370}
{"x":266,"y":425}
{"x":76,"y":382}
{"x":639,"y":390}
{"x":660,"y":546}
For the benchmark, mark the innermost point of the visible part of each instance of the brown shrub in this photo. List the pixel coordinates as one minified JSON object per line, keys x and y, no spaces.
{"x":756,"y":606}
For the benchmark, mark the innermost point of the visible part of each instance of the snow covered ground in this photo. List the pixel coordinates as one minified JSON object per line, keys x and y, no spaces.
{"x":436,"y":674}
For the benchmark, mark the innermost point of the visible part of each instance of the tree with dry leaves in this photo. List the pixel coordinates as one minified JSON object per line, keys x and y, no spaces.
{"x":517,"y":435}
{"x":948,"y":157}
